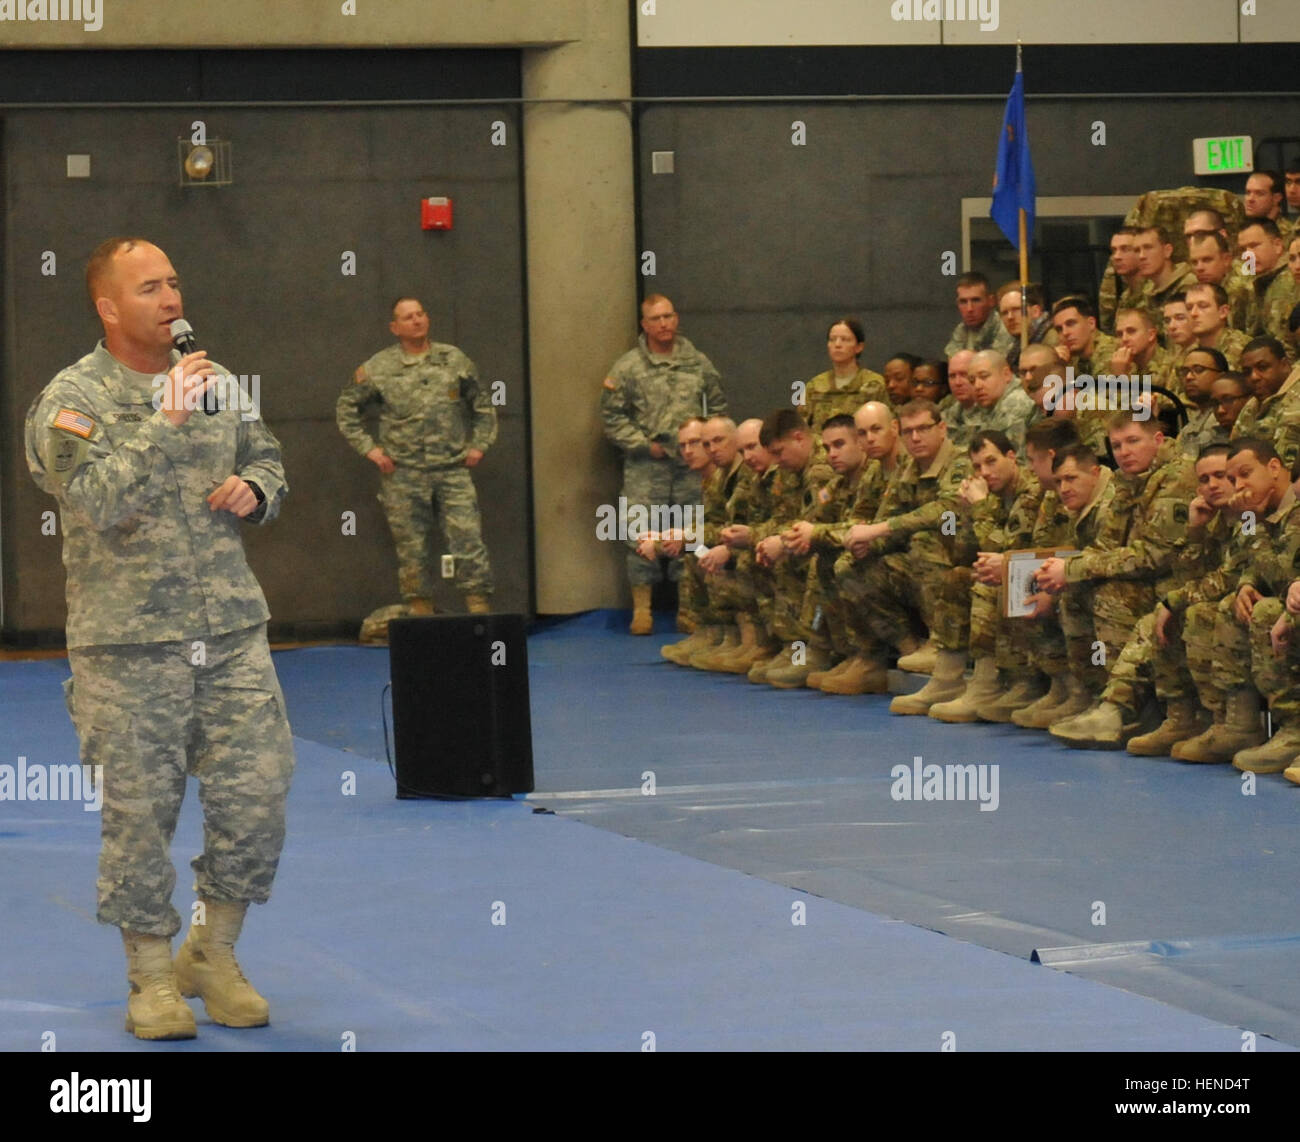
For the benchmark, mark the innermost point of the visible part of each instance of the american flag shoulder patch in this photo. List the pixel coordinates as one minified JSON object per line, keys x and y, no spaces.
{"x":75,"y":422}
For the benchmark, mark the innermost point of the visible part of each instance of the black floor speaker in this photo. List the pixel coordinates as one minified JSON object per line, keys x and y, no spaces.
{"x":461,"y":724}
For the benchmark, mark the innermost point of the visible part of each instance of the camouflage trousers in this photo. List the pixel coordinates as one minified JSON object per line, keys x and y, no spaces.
{"x":1144,"y":662}
{"x":151,"y":716}
{"x":1046,"y":643}
{"x":657,"y":486}
{"x":794,"y":616}
{"x":408,"y":497}
{"x":729,"y":591}
{"x":836,"y":616}
{"x":895,"y":593}
{"x":1006,"y":641}
{"x":1104,"y":611}
{"x":693,"y":591}
{"x":1225,"y":654}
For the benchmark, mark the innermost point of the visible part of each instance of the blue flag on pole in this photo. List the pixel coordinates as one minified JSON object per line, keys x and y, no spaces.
{"x":1013,"y":183}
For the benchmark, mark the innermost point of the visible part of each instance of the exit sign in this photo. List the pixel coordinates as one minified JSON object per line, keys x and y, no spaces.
{"x":1231,"y":155}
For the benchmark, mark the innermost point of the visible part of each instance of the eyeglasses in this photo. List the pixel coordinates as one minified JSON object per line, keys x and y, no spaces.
{"x":919,"y":430}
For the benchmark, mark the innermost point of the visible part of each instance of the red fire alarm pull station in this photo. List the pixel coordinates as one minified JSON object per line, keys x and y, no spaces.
{"x":435,"y":213}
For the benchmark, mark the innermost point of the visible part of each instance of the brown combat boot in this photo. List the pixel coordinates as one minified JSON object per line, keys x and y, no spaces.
{"x":1078,"y":698}
{"x":1024,"y":691}
{"x":1184,"y":719}
{"x":643,"y":621}
{"x":758,"y":672}
{"x":206,"y":967}
{"x":679,"y":652}
{"x":752,"y":648}
{"x":857,"y":674}
{"x":154,"y":1007}
{"x":1238,"y":731}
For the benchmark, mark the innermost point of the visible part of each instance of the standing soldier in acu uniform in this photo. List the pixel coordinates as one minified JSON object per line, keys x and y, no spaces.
{"x":171,"y":672}
{"x":650,"y":391}
{"x":435,"y":423}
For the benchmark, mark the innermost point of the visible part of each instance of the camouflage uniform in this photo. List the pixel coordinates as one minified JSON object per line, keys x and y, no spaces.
{"x":1275,"y":308}
{"x":1218,"y":644}
{"x":1076,"y":603}
{"x":1053,"y":528}
{"x":852,"y":497}
{"x":644,"y":399}
{"x":1241,"y":300}
{"x":171,"y":673}
{"x":1154,"y":300}
{"x":1200,"y":553}
{"x":721,"y":589}
{"x":801,"y":495}
{"x":1131,"y":562}
{"x":1002,"y":522}
{"x":1260,"y":284}
{"x":432,"y":411}
{"x":960,"y":419}
{"x":991,"y":335}
{"x":1201,"y":430}
{"x":824,"y":399}
{"x":922,"y":567}
{"x":1111,"y":298}
{"x":1009,"y":414}
{"x":1276,"y":419}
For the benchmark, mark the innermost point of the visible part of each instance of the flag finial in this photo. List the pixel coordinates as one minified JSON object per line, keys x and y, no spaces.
{"x":1017,"y":53}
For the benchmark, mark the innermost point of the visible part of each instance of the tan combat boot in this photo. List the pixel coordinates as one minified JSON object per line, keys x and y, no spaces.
{"x":477,"y":605}
{"x":1238,"y":731}
{"x":758,"y":672}
{"x":791,"y":676}
{"x":154,"y":1007}
{"x":947,"y":682}
{"x":1022,"y":692}
{"x":858,"y":674}
{"x":679,"y":652}
{"x":1078,"y":698}
{"x":918,"y":658}
{"x":708,"y":658}
{"x":643,"y":621}
{"x":1038,"y":715}
{"x":983,"y":687}
{"x":751,"y":648}
{"x":1184,"y":719}
{"x":1101,"y":726}
{"x":1275,"y":755}
{"x":837,"y":664}
{"x":206,"y":967}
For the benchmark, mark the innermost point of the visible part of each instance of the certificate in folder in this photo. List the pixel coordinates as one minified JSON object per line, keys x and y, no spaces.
{"x":1018,"y":569}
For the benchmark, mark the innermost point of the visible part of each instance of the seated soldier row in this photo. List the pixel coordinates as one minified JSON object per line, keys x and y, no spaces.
{"x":815,"y":569}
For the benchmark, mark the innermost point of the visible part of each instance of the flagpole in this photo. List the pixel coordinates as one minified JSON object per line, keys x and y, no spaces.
{"x":1024,"y":255}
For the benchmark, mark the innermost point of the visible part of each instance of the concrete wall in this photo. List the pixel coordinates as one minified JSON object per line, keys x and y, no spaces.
{"x":261,"y":266}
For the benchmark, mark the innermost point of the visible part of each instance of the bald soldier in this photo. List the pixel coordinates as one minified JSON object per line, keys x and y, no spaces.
{"x":649,"y":392}
{"x":166,"y":633}
{"x":435,"y":423}
{"x":1001,"y":405}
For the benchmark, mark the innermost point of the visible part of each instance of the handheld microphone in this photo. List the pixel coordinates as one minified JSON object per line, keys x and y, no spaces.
{"x":183,"y":338}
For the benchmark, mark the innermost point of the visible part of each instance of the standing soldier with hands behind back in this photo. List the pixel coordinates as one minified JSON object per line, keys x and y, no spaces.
{"x":649,"y":392}
{"x":435,"y":423}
